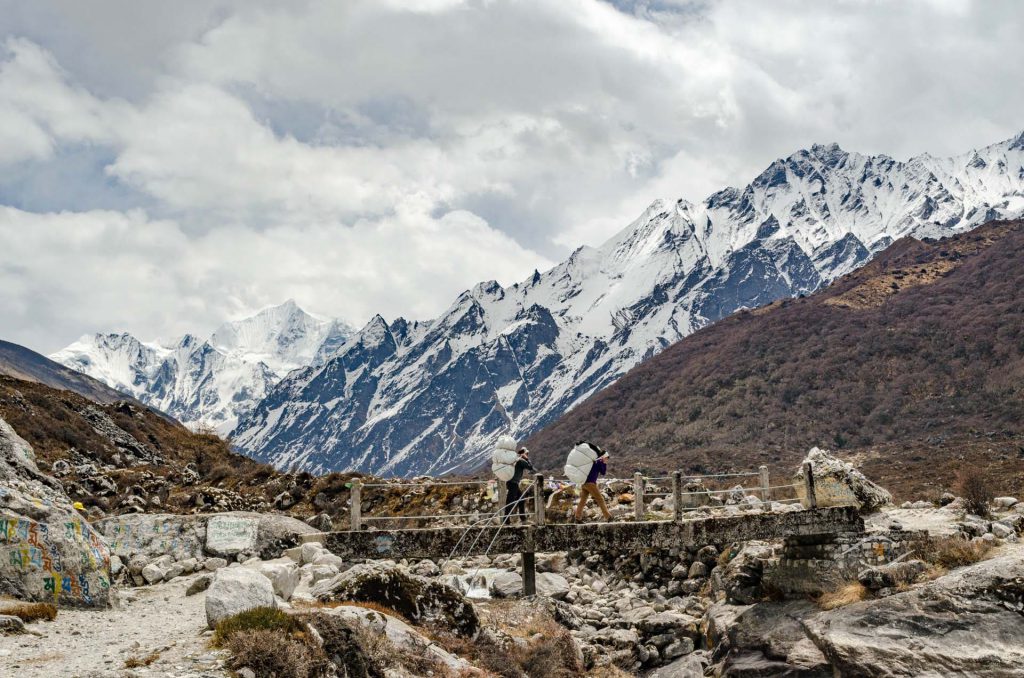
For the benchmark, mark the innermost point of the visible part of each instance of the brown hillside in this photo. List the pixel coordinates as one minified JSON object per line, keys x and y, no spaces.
{"x":122,"y":457}
{"x":912,"y":366}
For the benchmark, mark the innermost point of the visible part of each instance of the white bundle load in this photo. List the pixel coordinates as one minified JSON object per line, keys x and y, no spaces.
{"x":503,"y":461}
{"x":580,"y":461}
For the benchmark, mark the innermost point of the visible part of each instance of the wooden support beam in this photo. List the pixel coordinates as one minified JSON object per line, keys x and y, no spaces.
{"x":765,"y":492}
{"x":529,"y":575}
{"x":538,"y":503}
{"x":812,"y":497}
{"x":677,"y":495}
{"x":638,"y":495}
{"x":356,"y":504}
{"x":502,"y":500}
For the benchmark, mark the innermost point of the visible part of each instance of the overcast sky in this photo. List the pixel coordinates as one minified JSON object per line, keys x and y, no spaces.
{"x":165,"y":166}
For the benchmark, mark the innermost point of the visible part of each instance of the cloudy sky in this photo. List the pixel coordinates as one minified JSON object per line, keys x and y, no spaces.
{"x":166,"y":166}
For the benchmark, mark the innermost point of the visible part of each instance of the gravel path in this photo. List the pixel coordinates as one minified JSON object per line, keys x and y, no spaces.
{"x":87,"y":644}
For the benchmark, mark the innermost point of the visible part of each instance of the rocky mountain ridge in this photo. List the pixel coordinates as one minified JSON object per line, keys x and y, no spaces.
{"x":410,"y":397}
{"x":912,"y":363}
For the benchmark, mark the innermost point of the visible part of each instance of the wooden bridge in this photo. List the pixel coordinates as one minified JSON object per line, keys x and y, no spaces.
{"x":684,"y":529}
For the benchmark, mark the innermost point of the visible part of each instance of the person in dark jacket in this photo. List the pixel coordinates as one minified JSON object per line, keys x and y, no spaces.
{"x":590,"y":488}
{"x":514,"y":500}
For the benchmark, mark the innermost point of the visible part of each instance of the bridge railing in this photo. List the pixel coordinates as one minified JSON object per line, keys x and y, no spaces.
{"x":645,"y":488}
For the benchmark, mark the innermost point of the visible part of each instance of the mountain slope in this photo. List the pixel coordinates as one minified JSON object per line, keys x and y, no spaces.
{"x":212,"y":382}
{"x":408,"y":398}
{"x":914,"y":364}
{"x":22,"y":363}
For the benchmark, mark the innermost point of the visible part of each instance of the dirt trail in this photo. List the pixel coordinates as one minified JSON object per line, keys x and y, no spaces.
{"x":91,"y":644}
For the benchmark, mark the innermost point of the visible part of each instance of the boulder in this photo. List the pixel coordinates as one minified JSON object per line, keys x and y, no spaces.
{"x":50,"y":553}
{"x":283,"y":573}
{"x":552,"y":585}
{"x":690,"y":666}
{"x":152,"y":535}
{"x":415,"y":598}
{"x":838,"y":483}
{"x":234,"y":590}
{"x":506,"y":584}
{"x":965,"y":623}
{"x":1005,"y":502}
{"x":892,"y":574}
{"x":395,"y":630}
{"x":229,"y":534}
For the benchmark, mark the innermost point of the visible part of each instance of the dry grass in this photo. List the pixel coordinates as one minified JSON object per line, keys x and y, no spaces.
{"x":852,"y":592}
{"x":257,"y":619}
{"x":29,"y":612}
{"x":952,"y":552}
{"x":139,"y":662}
{"x":275,"y":654}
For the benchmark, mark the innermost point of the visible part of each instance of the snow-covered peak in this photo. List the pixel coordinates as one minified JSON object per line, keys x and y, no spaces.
{"x":282,"y":337}
{"x":213,"y":381}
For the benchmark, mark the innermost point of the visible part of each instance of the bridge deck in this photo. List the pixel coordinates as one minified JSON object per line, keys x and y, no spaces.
{"x":620,"y":536}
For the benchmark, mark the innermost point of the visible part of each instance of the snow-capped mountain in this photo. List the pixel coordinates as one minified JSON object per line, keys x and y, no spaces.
{"x":212,"y":382}
{"x":406,"y":397}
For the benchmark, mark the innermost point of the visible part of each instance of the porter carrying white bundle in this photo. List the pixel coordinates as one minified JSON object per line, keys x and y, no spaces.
{"x":581,"y":458}
{"x":503,"y":461}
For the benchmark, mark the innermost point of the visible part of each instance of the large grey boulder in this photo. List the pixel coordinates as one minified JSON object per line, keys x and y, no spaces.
{"x":967,"y":623}
{"x":234,"y":590}
{"x":50,"y":552}
{"x":154,"y":535}
{"x":838,"y":483}
{"x":415,"y":598}
{"x":552,"y":585}
{"x":741,"y":578}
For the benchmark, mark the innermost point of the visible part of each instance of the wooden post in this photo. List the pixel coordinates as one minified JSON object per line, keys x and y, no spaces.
{"x":502,"y":500}
{"x":356,"y":504}
{"x":812,"y":499}
{"x":765,"y":492}
{"x":538,"y":505}
{"x":638,"y":496}
{"x":529,"y":575}
{"x":677,"y":495}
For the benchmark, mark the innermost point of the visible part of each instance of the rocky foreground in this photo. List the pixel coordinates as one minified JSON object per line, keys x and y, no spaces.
{"x":925,"y":590}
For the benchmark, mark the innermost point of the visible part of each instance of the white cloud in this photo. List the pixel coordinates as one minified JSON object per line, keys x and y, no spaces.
{"x":65,"y":273}
{"x":381,"y":156}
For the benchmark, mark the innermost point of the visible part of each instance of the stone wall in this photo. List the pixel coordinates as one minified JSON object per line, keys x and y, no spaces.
{"x":813,"y":564}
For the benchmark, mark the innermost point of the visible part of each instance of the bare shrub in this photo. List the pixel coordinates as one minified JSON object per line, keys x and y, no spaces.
{"x":976,"y":490}
{"x":275,"y":654}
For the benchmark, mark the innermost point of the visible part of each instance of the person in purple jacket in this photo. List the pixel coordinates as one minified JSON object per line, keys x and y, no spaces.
{"x":590,"y":488}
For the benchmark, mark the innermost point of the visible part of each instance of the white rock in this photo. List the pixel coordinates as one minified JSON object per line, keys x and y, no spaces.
{"x":212,"y":564}
{"x":505,"y":584}
{"x":282,"y":573}
{"x":228,"y":535}
{"x":152,"y":573}
{"x":838,"y":483}
{"x":1005,"y":502}
{"x":310,"y":552}
{"x":234,"y":590}
{"x":1002,"y":531}
{"x":328,"y":558}
{"x":552,"y":585}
